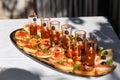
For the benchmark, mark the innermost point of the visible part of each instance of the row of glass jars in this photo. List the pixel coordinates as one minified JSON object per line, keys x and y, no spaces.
{"x":85,"y":49}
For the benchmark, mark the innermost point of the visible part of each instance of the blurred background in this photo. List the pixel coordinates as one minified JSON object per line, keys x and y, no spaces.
{"x":15,"y":9}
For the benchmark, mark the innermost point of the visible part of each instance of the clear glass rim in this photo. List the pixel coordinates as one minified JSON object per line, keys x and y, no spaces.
{"x":66,"y":26}
{"x":55,"y":22}
{"x":83,"y":32}
{"x":45,"y":19}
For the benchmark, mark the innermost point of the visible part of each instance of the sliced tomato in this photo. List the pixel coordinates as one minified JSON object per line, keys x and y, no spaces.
{"x":39,"y":28}
{"x":77,"y":58}
{"x":20,"y":34}
{"x":74,"y":52}
{"x":57,"y":50}
{"x":29,"y":46}
{"x":24,"y":42}
{"x":69,"y":54}
{"x":58,"y":56}
{"x":80,"y":65}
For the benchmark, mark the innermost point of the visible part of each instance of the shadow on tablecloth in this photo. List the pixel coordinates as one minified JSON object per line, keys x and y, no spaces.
{"x":108,"y":39}
{"x":106,"y":34}
{"x":17,"y":74}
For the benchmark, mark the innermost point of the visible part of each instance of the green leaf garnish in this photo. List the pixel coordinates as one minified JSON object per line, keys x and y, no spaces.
{"x":102,"y":53}
{"x":78,"y":62}
{"x":45,"y":51}
{"x":70,"y":60}
{"x":36,"y":46}
{"x":105,"y":52}
{"x":26,"y":32}
{"x":109,"y":62}
{"x":76,"y":66}
{"x":37,"y":36}
{"x":61,"y":62}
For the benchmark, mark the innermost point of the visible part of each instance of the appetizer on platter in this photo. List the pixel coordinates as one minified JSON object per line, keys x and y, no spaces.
{"x":73,"y":54}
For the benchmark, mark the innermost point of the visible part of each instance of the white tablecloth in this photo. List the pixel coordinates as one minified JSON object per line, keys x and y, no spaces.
{"x":14,"y":65}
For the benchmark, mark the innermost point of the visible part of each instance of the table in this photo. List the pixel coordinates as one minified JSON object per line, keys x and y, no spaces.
{"x":14,"y":65}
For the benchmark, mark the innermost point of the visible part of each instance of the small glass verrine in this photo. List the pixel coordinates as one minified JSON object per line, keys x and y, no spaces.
{"x":80,"y":36}
{"x":90,"y":53}
{"x":66,"y":35}
{"x":66,"y":29}
{"x":45,"y":32}
{"x":45,"y":22}
{"x":55,"y":32}
{"x":32,"y":19}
